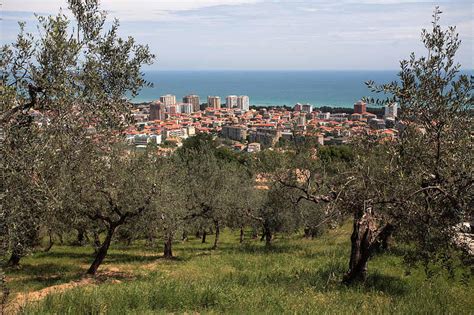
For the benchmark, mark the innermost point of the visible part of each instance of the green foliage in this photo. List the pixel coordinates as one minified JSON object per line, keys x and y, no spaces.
{"x":63,"y":97}
{"x":330,"y":154}
{"x":428,"y":185}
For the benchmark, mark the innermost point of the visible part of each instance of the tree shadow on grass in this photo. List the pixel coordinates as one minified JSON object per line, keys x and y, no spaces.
{"x":122,"y":258}
{"x":111,"y":257}
{"x":40,"y":270}
{"x":391,"y":285}
{"x":255,"y":248}
{"x":325,"y":279}
{"x":80,"y":257}
{"x":331,"y":277}
{"x":42,"y":275}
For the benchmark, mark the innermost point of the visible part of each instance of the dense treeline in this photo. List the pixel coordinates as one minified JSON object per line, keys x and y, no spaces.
{"x":66,"y":170}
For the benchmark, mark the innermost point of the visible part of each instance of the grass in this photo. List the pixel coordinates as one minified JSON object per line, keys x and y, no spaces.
{"x":295,"y":276}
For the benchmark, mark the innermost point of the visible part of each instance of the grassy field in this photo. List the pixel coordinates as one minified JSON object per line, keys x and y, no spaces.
{"x":295,"y":276}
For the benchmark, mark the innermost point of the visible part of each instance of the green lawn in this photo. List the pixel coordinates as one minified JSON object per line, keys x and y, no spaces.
{"x":295,"y":276}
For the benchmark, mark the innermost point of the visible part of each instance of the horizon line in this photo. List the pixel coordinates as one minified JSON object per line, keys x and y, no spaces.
{"x":275,"y":70}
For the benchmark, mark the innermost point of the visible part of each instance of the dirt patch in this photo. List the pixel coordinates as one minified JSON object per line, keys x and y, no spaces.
{"x":111,"y":275}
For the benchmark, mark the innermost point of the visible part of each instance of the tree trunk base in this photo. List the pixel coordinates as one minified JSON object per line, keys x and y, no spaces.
{"x":14,"y":260}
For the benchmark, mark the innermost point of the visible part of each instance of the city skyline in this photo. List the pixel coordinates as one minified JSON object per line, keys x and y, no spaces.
{"x":270,"y":35}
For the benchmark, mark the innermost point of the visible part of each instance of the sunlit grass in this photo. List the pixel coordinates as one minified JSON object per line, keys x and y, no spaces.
{"x":295,"y":276}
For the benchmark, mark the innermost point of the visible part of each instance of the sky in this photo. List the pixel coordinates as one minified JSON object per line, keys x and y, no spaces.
{"x":270,"y":34}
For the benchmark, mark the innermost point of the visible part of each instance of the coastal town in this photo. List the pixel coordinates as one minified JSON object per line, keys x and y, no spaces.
{"x":167,"y":123}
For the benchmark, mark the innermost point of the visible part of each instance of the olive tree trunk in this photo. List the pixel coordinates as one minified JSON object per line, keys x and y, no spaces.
{"x":14,"y":259}
{"x":168,"y":252}
{"x":217,"y":233}
{"x":50,"y":243}
{"x":268,"y":236}
{"x":102,"y":251}
{"x":367,"y":236}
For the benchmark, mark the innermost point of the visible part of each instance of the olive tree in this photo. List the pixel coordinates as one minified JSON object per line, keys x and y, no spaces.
{"x":113,"y":189}
{"x":72,"y":77}
{"x":419,"y":185}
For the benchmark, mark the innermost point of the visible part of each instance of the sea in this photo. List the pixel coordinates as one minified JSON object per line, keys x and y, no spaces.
{"x":266,"y":88}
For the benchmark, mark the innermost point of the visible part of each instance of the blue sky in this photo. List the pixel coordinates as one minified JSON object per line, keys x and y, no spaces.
{"x":271,"y":34}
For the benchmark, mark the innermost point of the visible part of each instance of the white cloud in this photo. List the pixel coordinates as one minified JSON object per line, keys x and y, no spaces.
{"x":124,"y":9}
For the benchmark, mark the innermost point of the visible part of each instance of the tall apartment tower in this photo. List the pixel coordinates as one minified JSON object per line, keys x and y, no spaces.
{"x":231,"y":101}
{"x":243,"y":102}
{"x":186,"y":108}
{"x":192,"y":99}
{"x":168,"y":99}
{"x":214,"y":101}
{"x":360,"y":107}
{"x":157,"y":111}
{"x":391,"y":110}
{"x":307,"y":108}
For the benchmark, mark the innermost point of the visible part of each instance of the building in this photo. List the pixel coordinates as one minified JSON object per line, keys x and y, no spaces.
{"x":186,"y":108}
{"x":369,"y":116}
{"x":267,"y":137}
{"x":298,"y":107}
{"x":157,"y":111}
{"x":360,"y":107}
{"x":391,"y":110}
{"x":301,"y":120}
{"x":339,"y":117}
{"x":243,"y":102}
{"x":236,"y":133}
{"x":307,"y":108}
{"x":192,"y":99}
{"x":191,"y":130}
{"x":172,"y":109}
{"x":376,"y":123}
{"x":231,"y":101}
{"x":173,"y":133}
{"x":214,"y":101}
{"x":324,"y":116}
{"x":144,"y":140}
{"x":253,"y":147}
{"x":168,"y":99}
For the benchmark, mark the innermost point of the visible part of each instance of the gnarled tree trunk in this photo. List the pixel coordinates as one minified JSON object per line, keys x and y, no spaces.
{"x":168,"y":252}
{"x":51,"y":242}
{"x":204,"y":234}
{"x":268,"y":236}
{"x":14,"y":259}
{"x":216,"y":240}
{"x":367,"y":236}
{"x":102,"y":251}
{"x":96,"y":243}
{"x":81,"y":235}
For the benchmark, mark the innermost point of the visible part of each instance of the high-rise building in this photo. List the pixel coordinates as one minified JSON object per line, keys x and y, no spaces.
{"x":192,"y":99}
{"x":360,"y":107}
{"x":185,"y":108}
{"x":172,"y":109}
{"x":157,"y":111}
{"x":391,"y":110}
{"x":298,"y":107}
{"x":307,"y":108}
{"x":231,"y":101}
{"x":243,"y":102}
{"x":168,"y":99}
{"x":214,"y":101}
